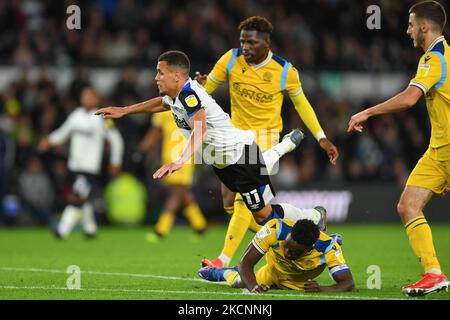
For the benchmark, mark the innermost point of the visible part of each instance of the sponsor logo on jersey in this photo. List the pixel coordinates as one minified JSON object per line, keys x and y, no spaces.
{"x":423,"y":70}
{"x":251,"y":92}
{"x":264,"y":232}
{"x":267,"y":76}
{"x":191,"y":101}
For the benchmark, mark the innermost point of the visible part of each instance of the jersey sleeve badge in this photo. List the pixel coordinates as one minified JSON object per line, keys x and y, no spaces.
{"x":191,"y":101}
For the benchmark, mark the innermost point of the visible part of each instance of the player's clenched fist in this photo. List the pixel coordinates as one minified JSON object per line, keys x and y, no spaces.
{"x":111,"y":112}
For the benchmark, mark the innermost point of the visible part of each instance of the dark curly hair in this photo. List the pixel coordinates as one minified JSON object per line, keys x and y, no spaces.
{"x":305,"y":232}
{"x":257,"y":23}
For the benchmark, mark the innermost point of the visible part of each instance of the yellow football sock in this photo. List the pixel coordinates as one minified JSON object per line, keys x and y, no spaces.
{"x":229,"y":210}
{"x":421,"y":241}
{"x":165,"y":222}
{"x":231,"y":277}
{"x":194,"y":215}
{"x":254,"y":226}
{"x":240,"y":220}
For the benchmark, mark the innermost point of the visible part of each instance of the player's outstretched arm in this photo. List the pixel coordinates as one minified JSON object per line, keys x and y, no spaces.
{"x":246,"y":265}
{"x":400,"y":102}
{"x":198,"y":134}
{"x":344,"y":282}
{"x":152,"y":106}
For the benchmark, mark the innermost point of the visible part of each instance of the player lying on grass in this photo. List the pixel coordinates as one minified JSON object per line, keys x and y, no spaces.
{"x":233,"y":153}
{"x":296,"y":253}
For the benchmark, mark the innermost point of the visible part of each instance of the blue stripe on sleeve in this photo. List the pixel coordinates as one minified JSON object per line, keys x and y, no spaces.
{"x":284,"y":76}
{"x":322,"y":259}
{"x":444,"y":70}
{"x":232,"y":60}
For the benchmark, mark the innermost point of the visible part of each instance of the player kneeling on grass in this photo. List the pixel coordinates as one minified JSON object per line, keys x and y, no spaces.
{"x":296,"y":253}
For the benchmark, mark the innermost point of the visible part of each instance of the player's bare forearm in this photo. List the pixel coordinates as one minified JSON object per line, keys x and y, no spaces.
{"x":198,"y":135}
{"x":150,"y":106}
{"x":246,"y":266}
{"x":400,"y":102}
{"x":195,"y":142}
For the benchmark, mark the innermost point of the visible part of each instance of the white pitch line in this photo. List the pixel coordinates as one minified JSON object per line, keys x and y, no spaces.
{"x":135,"y":275}
{"x":171,"y":291}
{"x":184,"y":292}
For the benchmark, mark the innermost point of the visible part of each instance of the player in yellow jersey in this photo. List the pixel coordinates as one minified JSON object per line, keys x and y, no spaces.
{"x":179,"y":183}
{"x":296,"y":253}
{"x":432,"y":173}
{"x":257,"y":81}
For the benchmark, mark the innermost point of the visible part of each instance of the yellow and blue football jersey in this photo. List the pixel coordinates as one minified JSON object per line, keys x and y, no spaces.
{"x":256,"y":91}
{"x":269,"y":241}
{"x":432,"y":79}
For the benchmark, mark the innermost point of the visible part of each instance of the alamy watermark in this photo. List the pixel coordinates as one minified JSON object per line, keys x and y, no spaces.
{"x":73,"y":22}
{"x":74,"y":280}
{"x":374,"y":280}
{"x":374,"y":19}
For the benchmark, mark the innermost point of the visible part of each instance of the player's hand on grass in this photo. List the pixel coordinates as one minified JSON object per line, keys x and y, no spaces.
{"x":111,"y":112}
{"x":330,"y":149}
{"x":356,"y":121}
{"x":167,"y":170}
{"x":260,"y":288}
{"x":312,"y":286}
{"x":201,"y":78}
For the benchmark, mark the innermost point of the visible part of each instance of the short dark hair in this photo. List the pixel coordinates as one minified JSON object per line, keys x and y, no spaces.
{"x":305,"y":232}
{"x":432,"y":11}
{"x":176,"y":59}
{"x":257,"y":23}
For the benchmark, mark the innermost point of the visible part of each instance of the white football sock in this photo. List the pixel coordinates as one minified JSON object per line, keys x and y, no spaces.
{"x":70,"y":217}
{"x":225,"y":260}
{"x":89,"y":224}
{"x":294,"y":213}
{"x":274,"y":154}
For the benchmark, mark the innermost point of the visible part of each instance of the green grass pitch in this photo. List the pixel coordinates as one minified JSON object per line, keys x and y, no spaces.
{"x":120,"y":264}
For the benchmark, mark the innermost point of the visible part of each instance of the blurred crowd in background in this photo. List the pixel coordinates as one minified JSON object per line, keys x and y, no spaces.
{"x":130,"y":34}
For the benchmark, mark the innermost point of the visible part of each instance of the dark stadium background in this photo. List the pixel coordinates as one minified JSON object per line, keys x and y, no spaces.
{"x":343,"y":65}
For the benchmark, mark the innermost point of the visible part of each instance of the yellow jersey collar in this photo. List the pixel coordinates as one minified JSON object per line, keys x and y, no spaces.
{"x":262,"y":64}
{"x":435,"y":42}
